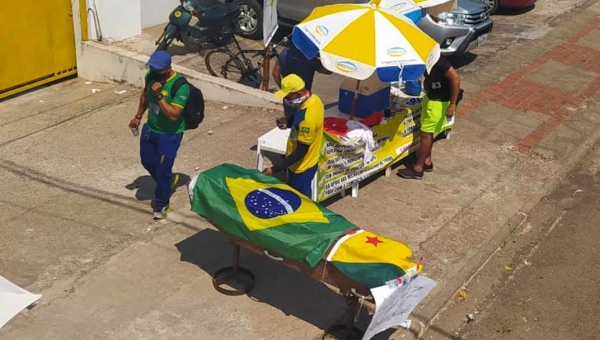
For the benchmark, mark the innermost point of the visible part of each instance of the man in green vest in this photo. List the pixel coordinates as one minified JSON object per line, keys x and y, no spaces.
{"x":163,"y":132}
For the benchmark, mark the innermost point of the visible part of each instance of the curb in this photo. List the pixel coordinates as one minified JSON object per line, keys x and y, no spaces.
{"x":103,"y":63}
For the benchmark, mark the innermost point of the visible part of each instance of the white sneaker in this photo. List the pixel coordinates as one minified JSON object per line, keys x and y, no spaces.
{"x":160,"y":214}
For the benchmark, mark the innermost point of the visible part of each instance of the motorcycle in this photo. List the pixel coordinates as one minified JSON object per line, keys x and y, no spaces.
{"x":216,"y":25}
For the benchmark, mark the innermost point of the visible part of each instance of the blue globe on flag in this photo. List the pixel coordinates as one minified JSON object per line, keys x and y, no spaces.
{"x":272,"y":202}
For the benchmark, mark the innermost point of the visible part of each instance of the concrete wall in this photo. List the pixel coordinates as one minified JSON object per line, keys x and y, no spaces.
{"x":98,"y":62}
{"x":156,"y":12}
{"x":116,"y":19}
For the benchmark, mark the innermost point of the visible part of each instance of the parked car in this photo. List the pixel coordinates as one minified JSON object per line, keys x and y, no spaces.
{"x":457,"y":32}
{"x":461,"y":30}
{"x":493,"y":5}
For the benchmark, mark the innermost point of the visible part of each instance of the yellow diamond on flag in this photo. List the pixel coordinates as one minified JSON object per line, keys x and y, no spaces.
{"x":263,"y":206}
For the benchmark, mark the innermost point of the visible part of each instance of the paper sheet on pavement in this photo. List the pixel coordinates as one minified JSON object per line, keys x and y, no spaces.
{"x":394,"y":305}
{"x":13,"y":300}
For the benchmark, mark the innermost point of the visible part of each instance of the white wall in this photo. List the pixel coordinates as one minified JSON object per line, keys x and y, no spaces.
{"x":156,"y":12}
{"x":117,"y":19}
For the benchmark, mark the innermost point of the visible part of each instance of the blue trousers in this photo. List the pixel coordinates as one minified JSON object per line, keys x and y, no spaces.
{"x":303,"y":181}
{"x":158,"y":153}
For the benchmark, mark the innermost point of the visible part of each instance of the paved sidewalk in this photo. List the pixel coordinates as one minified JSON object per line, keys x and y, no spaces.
{"x":76,"y":224}
{"x":537,"y":98}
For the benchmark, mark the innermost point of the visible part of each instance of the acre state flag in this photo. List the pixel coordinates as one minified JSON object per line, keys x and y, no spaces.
{"x":371,"y":259}
{"x":267,"y":213}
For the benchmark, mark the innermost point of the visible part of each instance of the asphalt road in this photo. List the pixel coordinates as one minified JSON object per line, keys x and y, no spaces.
{"x":544,"y":282}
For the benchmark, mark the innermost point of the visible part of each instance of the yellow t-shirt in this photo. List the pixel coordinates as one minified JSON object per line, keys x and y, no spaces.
{"x":307,"y":129}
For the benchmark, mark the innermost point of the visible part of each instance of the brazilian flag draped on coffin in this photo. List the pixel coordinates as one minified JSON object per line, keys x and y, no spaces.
{"x":267,"y":213}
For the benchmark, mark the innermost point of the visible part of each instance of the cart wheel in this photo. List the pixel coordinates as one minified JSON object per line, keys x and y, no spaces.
{"x":338,"y":332}
{"x":241,"y":281}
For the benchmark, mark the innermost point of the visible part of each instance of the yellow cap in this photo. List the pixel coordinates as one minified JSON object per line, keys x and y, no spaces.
{"x":290,"y":84}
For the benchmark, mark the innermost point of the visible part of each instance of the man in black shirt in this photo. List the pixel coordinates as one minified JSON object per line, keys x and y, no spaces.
{"x":442,"y":88}
{"x":293,"y":61}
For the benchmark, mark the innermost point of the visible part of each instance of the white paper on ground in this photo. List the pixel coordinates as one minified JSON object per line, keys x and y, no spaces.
{"x":394,"y":305}
{"x":406,"y":324}
{"x":14,"y":299}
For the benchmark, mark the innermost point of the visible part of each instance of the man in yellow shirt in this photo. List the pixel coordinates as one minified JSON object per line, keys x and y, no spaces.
{"x":305,"y":118}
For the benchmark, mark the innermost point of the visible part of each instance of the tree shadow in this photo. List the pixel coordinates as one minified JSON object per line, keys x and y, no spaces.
{"x":145,"y":186}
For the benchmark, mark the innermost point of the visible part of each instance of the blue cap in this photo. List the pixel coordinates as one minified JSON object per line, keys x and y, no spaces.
{"x":159,"y":60}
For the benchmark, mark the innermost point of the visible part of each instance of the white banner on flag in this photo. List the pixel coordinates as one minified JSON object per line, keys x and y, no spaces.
{"x":394,"y":305}
{"x":270,"y":23}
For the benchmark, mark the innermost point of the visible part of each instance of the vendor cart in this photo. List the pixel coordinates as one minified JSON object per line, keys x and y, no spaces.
{"x":342,"y":164}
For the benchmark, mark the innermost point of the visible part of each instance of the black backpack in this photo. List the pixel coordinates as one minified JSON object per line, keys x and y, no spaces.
{"x":193,"y":112}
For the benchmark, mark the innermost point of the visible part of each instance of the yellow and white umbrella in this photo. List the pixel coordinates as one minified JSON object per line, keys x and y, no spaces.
{"x":412,"y":8}
{"x":357,"y":40}
{"x":433,"y":3}
{"x":405,"y":8}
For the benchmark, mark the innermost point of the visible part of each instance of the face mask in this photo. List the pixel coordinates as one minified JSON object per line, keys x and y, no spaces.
{"x":295,"y":103}
{"x":159,"y":76}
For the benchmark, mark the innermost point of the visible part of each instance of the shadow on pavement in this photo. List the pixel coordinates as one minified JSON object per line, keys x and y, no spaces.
{"x":462,"y":60}
{"x":291,"y":292}
{"x":177,"y":50}
{"x":145,"y":186}
{"x":504,"y":11}
{"x":287,"y":290}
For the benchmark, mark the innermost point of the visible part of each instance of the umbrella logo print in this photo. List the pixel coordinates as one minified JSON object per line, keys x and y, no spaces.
{"x":396,"y":52}
{"x":398,"y":7}
{"x":346,"y":66}
{"x":322,"y":30}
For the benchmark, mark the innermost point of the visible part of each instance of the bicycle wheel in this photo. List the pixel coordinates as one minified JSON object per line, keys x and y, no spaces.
{"x":224,"y":64}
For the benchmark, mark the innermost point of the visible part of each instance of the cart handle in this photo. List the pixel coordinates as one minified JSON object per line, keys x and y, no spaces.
{"x":355,"y":293}
{"x":266,"y":252}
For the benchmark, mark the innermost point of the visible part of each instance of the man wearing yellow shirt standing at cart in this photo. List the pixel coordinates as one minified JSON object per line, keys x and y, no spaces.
{"x":305,"y":118}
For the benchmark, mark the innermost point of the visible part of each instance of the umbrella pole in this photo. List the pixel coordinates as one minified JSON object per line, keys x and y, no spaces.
{"x":266,"y":67}
{"x":354,"y":100}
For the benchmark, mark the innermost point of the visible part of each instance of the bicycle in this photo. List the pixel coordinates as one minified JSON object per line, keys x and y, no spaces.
{"x":237,"y":66}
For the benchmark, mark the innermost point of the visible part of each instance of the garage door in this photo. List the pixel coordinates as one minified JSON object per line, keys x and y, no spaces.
{"x":37,"y":44}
